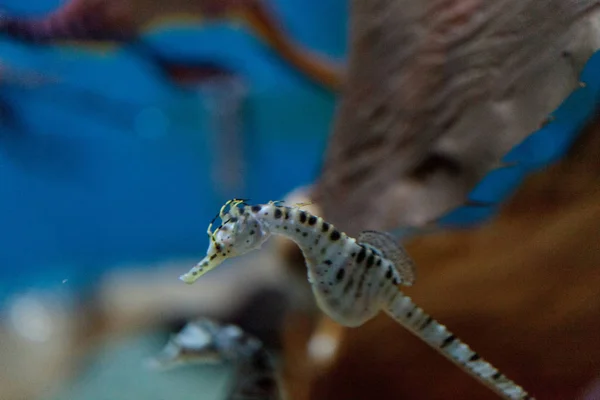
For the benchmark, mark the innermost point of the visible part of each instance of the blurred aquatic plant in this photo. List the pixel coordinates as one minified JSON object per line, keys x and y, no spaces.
{"x":126,"y":22}
{"x":466,"y":82}
{"x":539,"y":150}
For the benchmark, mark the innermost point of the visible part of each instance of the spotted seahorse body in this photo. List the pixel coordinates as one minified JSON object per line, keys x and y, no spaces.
{"x":352,"y":279}
{"x":348,"y":278}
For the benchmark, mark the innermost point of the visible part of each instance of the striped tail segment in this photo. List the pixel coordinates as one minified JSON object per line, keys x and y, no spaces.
{"x":402,"y":309}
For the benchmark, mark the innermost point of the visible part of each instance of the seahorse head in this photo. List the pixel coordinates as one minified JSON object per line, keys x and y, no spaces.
{"x":239,"y":233}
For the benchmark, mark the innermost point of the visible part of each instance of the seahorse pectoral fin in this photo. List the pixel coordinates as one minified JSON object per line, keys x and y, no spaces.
{"x":208,"y":263}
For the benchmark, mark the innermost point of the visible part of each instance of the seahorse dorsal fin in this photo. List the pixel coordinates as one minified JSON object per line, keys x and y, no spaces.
{"x":393,"y":251}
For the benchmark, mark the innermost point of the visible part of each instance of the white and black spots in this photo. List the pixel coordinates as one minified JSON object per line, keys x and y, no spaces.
{"x":352,"y":279}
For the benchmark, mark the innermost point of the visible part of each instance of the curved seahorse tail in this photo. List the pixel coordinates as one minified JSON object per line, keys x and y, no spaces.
{"x":403,"y":310}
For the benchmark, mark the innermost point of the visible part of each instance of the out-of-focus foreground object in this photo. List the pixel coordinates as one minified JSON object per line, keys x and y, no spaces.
{"x":437,"y":92}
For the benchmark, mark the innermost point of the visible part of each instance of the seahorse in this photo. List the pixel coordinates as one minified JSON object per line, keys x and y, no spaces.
{"x":206,"y":341}
{"x":351,"y":279}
